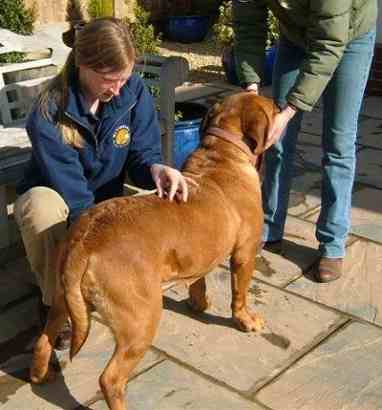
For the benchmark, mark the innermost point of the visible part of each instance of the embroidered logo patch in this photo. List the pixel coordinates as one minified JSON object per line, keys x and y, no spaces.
{"x":121,"y":136}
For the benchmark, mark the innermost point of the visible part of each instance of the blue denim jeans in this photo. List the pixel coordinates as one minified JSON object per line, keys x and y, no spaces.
{"x":342,"y":100}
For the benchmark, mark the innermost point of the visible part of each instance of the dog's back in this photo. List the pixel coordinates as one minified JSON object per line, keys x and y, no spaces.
{"x":121,"y":252}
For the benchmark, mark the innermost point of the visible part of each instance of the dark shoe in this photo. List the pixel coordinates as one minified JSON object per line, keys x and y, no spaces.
{"x":64,"y":336}
{"x":43,"y":311}
{"x":272,"y":246}
{"x":328,"y":269}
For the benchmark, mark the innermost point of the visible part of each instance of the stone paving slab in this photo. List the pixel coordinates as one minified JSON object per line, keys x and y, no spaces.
{"x":77,"y":383}
{"x":310,"y":156}
{"x":366,"y":214}
{"x":305,"y":195}
{"x":244,"y":361}
{"x":358,"y":291}
{"x":299,"y":254}
{"x":18,"y":318}
{"x":312,"y":122}
{"x":372,"y":107}
{"x":343,"y":372}
{"x":169,"y":386}
{"x":16,"y":281}
{"x":310,"y":139}
{"x":370,"y":132}
{"x":369,"y":167}
{"x":369,"y":231}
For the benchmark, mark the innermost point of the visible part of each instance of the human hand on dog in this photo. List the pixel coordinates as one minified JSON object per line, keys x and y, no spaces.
{"x":253,"y":87}
{"x":279,"y":124}
{"x":170,"y":182}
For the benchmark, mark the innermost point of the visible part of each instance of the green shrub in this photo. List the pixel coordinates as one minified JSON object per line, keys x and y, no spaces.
{"x":12,"y":57}
{"x":223,"y":27}
{"x":143,"y":33}
{"x":16,"y":17}
{"x":100,"y":8}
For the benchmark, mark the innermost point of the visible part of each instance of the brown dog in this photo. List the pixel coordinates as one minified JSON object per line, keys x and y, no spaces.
{"x":122,"y":253}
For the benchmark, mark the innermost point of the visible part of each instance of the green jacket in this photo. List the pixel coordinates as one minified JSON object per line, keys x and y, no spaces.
{"x":321,"y":27}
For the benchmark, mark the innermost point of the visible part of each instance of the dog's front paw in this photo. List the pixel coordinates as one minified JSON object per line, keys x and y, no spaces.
{"x":248,"y":321}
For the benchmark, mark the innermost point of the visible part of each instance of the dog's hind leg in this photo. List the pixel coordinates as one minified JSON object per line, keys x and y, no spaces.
{"x":134,"y":327}
{"x":58,"y":314}
{"x":198,"y":299}
{"x":242,"y":267}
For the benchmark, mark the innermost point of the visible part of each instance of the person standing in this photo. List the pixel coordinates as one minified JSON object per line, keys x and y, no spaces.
{"x":325,"y":51}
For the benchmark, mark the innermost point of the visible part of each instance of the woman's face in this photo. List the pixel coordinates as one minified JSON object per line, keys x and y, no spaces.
{"x":102,"y":84}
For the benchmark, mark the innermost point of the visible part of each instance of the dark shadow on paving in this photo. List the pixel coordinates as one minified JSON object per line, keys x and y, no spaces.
{"x":182,"y":308}
{"x":15,"y":361}
{"x":58,"y":393}
{"x":292,"y":251}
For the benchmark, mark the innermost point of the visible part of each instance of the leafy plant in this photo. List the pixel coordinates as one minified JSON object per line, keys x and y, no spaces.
{"x":12,"y":57}
{"x":143,"y":33}
{"x":100,"y":8}
{"x":15,"y":16}
{"x":273,"y":29}
{"x":155,"y":92}
{"x":223,"y":27}
{"x":223,"y":30}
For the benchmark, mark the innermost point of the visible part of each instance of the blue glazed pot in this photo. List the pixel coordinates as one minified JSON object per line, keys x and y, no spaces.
{"x":228,"y":61}
{"x":186,"y":133}
{"x":187,"y":29}
{"x":269,"y":61}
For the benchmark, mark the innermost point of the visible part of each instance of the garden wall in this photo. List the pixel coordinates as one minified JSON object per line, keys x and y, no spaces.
{"x":54,"y":11}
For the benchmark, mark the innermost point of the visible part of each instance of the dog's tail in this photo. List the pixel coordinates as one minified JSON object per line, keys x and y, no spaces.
{"x":74,"y":265}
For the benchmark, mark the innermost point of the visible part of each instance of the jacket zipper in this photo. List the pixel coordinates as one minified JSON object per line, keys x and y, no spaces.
{"x":94,"y":135}
{"x":129,"y":109}
{"x":87,"y":128}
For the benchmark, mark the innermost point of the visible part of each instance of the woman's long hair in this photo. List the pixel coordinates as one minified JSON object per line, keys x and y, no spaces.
{"x":103,"y":43}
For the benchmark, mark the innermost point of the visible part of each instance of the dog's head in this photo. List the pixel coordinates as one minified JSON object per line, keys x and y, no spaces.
{"x":245,"y":114}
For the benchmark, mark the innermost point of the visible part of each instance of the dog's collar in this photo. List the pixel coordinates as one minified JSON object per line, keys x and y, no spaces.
{"x":235,"y":139}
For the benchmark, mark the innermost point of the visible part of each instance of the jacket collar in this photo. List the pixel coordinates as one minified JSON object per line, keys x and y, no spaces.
{"x":76,"y":107}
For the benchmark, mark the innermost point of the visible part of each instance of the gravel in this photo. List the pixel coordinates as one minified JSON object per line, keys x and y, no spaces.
{"x":204,"y":59}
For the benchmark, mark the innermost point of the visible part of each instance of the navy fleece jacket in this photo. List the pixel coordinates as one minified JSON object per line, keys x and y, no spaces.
{"x":125,"y":137}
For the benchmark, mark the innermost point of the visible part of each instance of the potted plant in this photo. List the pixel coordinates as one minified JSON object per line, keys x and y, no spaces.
{"x":188,"y":118}
{"x":224,"y":36}
{"x":188,"y":21}
{"x":16,"y":17}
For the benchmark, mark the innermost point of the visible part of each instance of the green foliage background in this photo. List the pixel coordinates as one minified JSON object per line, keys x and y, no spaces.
{"x":100,"y":8}
{"x":14,"y":16}
{"x":223,"y":27}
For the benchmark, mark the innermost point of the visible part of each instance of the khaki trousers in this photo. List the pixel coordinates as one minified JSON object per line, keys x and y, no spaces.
{"x":41,"y":215}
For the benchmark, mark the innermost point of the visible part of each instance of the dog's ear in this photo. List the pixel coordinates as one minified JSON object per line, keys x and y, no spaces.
{"x":261,"y":117}
{"x":211,"y":113}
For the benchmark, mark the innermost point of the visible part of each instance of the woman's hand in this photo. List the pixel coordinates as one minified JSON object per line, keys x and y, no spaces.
{"x":279,"y":124}
{"x":170,"y":182}
{"x":253,"y":87}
